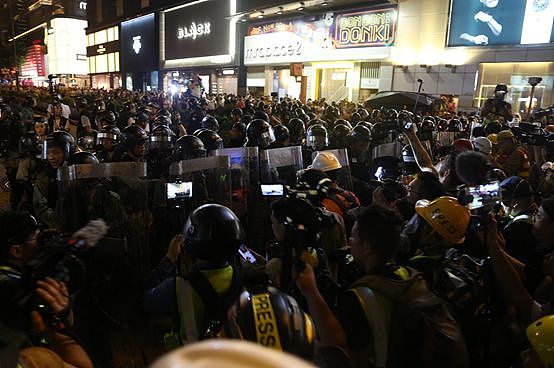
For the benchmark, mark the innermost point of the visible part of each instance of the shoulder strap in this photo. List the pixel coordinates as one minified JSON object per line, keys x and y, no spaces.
{"x":376,"y":320}
{"x":188,"y":330}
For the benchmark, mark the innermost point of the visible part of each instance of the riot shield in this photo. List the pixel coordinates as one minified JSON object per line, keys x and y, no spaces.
{"x":116,"y":267}
{"x":280,"y":165}
{"x":118,"y":193}
{"x":445,"y":139}
{"x":200,"y":180}
{"x":343,"y":175}
{"x":246,"y":199}
{"x":244,"y":175}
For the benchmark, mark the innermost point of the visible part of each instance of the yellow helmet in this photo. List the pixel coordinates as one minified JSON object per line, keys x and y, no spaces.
{"x":493,"y":138}
{"x":541,"y":336}
{"x":447,"y":216}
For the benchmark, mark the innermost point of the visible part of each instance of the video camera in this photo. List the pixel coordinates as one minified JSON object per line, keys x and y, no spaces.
{"x":57,"y":259}
{"x":532,"y":134}
{"x":540,"y":113}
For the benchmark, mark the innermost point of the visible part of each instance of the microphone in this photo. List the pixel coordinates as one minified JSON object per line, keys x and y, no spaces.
{"x":420,"y":80}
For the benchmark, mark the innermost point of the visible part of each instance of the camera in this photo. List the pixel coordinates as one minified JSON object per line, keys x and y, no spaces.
{"x":483,"y":196}
{"x":179,"y":190}
{"x":272,"y":190}
{"x":532,"y":134}
{"x":540,"y":113}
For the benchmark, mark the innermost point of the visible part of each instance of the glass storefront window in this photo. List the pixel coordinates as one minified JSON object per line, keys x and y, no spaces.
{"x":515,"y":76}
{"x":101,"y":37}
{"x":101,"y":63}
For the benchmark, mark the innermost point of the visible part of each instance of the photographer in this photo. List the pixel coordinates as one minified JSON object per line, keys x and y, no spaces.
{"x":495,"y":107}
{"x":511,"y":273}
{"x":377,"y":333}
{"x":198,"y":297}
{"x":18,"y":245}
{"x":512,"y":158}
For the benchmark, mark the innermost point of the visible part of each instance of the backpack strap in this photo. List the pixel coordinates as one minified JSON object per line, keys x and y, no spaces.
{"x":376,"y":320}
{"x":188,"y":330}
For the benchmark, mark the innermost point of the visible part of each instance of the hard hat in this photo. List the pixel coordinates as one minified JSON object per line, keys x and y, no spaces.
{"x":447,"y":216}
{"x":483,"y":145}
{"x":493,"y":138}
{"x":226,"y":353}
{"x":505,"y":135}
{"x":325,"y":161}
{"x":462,"y":144}
{"x":541,"y":336}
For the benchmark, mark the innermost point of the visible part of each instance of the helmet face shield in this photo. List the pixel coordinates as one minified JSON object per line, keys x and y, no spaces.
{"x":266,"y":138}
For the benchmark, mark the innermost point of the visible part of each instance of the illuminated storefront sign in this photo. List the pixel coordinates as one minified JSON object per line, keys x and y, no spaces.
{"x":363,"y":34}
{"x":139,"y":49}
{"x":194,"y":30}
{"x":365,"y":28}
{"x":198,"y":33}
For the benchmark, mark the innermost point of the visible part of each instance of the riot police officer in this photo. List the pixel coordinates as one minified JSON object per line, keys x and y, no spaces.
{"x":212,"y":141}
{"x":358,"y":150}
{"x":58,"y":147}
{"x":133,"y":148}
{"x":282,"y":136}
{"x":259,"y":134}
{"x":107,"y":140}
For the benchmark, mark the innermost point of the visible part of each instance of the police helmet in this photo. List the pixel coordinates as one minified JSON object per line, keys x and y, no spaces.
{"x":282,"y":134}
{"x":83,"y":157}
{"x":259,"y":133}
{"x":210,"y":122}
{"x":134,"y":135}
{"x":343,"y":122}
{"x":188,"y":147}
{"x":59,"y":139}
{"x":109,"y":132}
{"x":163,"y":112}
{"x":162,"y":137}
{"x":88,"y":141}
{"x":105,"y":118}
{"x":317,"y":137}
{"x":297,"y":130}
{"x":262,"y":115}
{"x":213,"y":233}
{"x":339,"y":135}
{"x":162,"y":120}
{"x":362,"y":133}
{"x":212,"y":140}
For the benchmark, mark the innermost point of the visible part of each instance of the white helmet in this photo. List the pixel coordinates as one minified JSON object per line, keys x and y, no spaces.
{"x":227,"y":353}
{"x":325,"y":161}
{"x":483,"y":145}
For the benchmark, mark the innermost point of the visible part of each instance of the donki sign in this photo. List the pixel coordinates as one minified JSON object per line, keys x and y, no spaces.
{"x":34,"y":61}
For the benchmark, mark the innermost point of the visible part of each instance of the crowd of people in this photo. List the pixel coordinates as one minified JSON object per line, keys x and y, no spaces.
{"x":142,"y":222}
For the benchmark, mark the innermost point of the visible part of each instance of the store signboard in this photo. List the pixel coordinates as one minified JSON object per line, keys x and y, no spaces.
{"x":500,"y":22}
{"x":201,"y":29}
{"x":138,"y":51}
{"x":364,"y":34}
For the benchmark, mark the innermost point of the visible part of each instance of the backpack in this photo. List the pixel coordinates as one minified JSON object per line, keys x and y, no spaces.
{"x":345,"y":201}
{"x":423,"y":332}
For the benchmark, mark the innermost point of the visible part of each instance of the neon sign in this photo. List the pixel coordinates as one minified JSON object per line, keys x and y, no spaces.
{"x":367,"y":28}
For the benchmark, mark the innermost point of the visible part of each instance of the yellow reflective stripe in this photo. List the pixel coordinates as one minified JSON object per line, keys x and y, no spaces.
{"x":267,"y":332}
{"x":309,"y":327}
{"x":220,"y":278}
{"x":402,"y":273}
